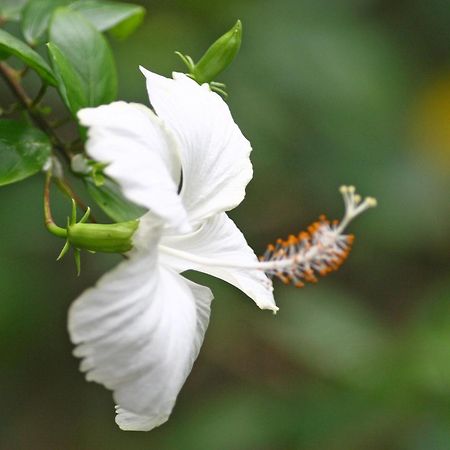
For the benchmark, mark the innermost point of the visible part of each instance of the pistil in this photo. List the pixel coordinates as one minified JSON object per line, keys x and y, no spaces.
{"x":299,"y":259}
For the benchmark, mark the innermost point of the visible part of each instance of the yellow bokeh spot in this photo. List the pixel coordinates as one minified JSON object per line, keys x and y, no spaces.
{"x":431,"y":121}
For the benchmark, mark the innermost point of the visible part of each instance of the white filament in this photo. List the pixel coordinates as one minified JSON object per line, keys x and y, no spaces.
{"x":353,"y":208}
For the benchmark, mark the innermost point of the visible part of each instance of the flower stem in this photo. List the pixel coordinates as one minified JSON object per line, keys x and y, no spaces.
{"x":49,"y":222}
{"x":65,"y":188}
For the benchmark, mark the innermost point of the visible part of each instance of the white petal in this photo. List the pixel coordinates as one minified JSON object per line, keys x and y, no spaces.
{"x":142,"y":157}
{"x":138,"y":332}
{"x":215,"y":155}
{"x":220,"y":239}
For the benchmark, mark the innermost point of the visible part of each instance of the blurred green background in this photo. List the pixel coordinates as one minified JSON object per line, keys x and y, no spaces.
{"x":350,"y":91}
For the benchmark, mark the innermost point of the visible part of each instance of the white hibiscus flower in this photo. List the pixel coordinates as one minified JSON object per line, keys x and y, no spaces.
{"x":140,"y":328}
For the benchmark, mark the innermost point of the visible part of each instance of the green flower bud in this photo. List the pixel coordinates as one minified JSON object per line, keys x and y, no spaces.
{"x":105,"y":238}
{"x":217,"y":58}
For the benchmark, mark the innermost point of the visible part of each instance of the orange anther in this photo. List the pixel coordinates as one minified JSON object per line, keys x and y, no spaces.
{"x":329,"y":253}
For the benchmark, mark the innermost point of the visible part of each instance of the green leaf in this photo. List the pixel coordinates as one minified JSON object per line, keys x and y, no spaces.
{"x":36,"y":18}
{"x":82,"y":60}
{"x":120,"y":18}
{"x":13,"y":46}
{"x":23,"y":151}
{"x":4,"y":55}
{"x":112,"y":202}
{"x":11,"y":9}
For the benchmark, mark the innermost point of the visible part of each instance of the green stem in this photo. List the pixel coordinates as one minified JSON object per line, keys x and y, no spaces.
{"x":22,"y":72}
{"x":60,"y":122}
{"x":49,"y":222}
{"x":39,"y":96}
{"x":68,"y":191}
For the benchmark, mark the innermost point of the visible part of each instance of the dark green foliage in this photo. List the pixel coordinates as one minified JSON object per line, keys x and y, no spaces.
{"x":11,"y":45}
{"x":82,"y":60}
{"x":23,"y":151}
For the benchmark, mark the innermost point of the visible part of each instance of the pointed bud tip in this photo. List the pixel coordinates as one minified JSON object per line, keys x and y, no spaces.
{"x":219,"y":55}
